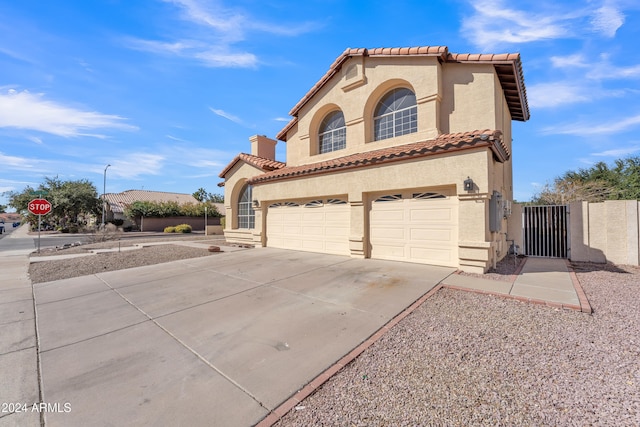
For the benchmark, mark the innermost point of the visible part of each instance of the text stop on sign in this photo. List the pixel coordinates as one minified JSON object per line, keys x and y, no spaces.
{"x":39,"y":207}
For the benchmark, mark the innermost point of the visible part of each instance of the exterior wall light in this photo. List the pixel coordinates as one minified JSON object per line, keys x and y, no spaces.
{"x":256,"y":204}
{"x":468,"y":184}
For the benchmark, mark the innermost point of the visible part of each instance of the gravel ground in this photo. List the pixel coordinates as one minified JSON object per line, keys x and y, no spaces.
{"x":464,"y":359}
{"x":109,"y":261}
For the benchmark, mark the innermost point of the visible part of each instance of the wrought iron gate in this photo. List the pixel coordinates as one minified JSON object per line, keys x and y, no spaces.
{"x":546,"y":231}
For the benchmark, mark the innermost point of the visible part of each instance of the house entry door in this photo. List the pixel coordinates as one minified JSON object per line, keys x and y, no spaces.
{"x":546,"y":231}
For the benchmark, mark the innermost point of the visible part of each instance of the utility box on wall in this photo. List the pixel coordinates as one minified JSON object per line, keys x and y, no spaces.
{"x":496,"y":212}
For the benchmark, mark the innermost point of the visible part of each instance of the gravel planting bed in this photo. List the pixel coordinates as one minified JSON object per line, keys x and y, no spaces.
{"x":464,"y":359}
{"x":109,"y":261}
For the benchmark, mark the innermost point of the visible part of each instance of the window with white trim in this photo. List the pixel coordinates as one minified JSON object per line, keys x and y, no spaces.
{"x":396,"y":114}
{"x":333,"y":133}
{"x":246,"y":214}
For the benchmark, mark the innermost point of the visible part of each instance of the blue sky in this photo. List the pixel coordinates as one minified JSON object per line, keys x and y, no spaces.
{"x":169,"y":91}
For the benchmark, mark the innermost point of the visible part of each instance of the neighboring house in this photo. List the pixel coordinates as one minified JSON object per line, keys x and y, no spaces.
{"x":395,"y":153}
{"x":117,"y":202}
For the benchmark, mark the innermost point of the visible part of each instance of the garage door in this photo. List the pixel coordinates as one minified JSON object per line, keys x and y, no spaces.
{"x":315,"y":226}
{"x":415,"y":227}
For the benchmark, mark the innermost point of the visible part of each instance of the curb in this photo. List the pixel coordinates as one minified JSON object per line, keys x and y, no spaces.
{"x":585,"y":307}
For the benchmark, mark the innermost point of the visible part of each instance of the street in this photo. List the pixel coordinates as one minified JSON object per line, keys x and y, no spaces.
{"x":46,"y":240}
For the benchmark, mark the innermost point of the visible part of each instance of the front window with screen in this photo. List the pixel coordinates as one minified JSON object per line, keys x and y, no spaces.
{"x":333,"y":133}
{"x":396,"y":114}
{"x":246,"y":214}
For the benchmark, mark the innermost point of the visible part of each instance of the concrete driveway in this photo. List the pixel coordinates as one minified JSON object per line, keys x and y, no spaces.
{"x":219,"y":340}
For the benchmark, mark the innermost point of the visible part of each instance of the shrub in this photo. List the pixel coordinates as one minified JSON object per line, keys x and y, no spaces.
{"x":183,"y":228}
{"x":170,"y":229}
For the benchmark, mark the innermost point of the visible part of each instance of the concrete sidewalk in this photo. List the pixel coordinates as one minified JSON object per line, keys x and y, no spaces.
{"x":548,"y":281}
{"x":18,"y":349}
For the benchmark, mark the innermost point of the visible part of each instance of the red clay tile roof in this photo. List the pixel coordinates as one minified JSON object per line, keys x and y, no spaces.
{"x":255,"y":161}
{"x":441,"y":144}
{"x":508,"y":68}
{"x":118,"y":201}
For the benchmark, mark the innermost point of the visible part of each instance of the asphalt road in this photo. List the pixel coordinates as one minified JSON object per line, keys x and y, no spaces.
{"x":46,"y":241}
{"x":8,"y":229}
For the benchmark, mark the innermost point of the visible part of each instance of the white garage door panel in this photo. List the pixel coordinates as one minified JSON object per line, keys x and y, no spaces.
{"x":388,"y":233}
{"x":322,"y":227}
{"x":415,"y":229}
{"x":425,"y":254}
{"x":392,"y":252}
{"x":430,"y":235}
{"x":431,"y":215}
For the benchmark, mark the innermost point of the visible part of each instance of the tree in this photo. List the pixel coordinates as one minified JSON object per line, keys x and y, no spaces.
{"x":595,"y":184}
{"x":71,"y":202}
{"x":3,"y":208}
{"x":203,"y":196}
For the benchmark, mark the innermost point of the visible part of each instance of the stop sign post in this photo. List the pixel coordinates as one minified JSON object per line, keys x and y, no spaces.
{"x":39,"y":207}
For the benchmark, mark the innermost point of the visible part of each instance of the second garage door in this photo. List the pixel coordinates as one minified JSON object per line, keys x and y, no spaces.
{"x":315,"y":226}
{"x":417,"y":227}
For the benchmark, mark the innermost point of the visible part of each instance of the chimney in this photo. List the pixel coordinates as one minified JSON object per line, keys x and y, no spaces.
{"x":264,"y":147}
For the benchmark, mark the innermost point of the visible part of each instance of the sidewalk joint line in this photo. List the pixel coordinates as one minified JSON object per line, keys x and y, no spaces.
{"x":193,"y":351}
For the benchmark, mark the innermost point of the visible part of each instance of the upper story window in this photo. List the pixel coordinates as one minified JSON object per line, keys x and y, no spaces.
{"x":246,"y":214}
{"x":333,"y":133}
{"x":396,"y":114}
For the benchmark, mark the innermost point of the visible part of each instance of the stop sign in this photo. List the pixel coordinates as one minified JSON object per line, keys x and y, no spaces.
{"x":39,"y":207}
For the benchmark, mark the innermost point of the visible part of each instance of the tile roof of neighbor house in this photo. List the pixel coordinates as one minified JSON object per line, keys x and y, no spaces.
{"x":508,"y":67}
{"x":255,"y":161}
{"x":118,"y":201}
{"x":445,"y":143}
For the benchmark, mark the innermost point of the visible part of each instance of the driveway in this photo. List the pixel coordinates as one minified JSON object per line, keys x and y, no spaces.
{"x":218,"y":340}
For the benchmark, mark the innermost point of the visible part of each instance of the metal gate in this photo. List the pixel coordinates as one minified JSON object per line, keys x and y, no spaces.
{"x":546,"y":231}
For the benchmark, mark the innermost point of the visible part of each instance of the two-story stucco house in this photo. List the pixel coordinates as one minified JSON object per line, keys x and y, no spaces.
{"x":395,"y":153}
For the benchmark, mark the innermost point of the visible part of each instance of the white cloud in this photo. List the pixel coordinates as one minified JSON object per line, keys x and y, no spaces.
{"x":23,"y":110}
{"x":497,"y":22}
{"x":282,"y":119}
{"x":494,"y":23}
{"x":175,"y":138}
{"x":35,"y":139}
{"x":607,"y":19}
{"x":135,"y":164}
{"x":223,"y":28}
{"x":16,"y":163}
{"x":604,"y":70}
{"x":226,"y":115}
{"x":558,"y":93}
{"x":216,"y":58}
{"x":589,"y":129}
{"x":570,"y":61}
{"x":617,"y":152}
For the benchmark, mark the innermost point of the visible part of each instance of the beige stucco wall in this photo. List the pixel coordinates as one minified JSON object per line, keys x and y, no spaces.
{"x":450,"y":98}
{"x":598,"y":232}
{"x":612,"y":234}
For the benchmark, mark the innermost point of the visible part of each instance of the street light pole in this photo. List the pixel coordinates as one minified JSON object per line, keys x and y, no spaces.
{"x":104,"y":191}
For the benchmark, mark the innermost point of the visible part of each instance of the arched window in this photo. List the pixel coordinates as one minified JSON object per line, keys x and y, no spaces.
{"x":333,"y":133}
{"x":396,"y":114}
{"x":246,"y":214}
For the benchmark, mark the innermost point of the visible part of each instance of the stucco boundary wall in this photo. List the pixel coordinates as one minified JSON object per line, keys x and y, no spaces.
{"x":159,"y":224}
{"x":599,"y":232}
